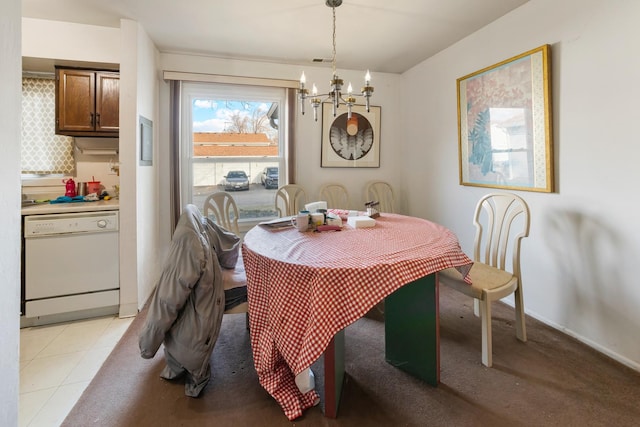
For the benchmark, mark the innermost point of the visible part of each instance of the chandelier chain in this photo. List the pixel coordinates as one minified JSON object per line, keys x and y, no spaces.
{"x":333,"y":60}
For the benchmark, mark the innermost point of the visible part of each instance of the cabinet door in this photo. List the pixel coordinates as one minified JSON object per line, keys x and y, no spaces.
{"x":107,"y":102}
{"x":75,"y":107}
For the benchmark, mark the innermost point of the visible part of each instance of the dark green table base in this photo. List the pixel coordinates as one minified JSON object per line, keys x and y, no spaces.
{"x":412,"y":339}
{"x":412,"y":329}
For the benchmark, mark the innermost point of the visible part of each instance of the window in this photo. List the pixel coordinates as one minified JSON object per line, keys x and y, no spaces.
{"x":230,"y":135}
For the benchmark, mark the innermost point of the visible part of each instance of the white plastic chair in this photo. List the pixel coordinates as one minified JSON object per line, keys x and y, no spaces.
{"x":290,"y":199}
{"x":381,"y":192}
{"x":506,"y":218}
{"x":222,"y":206}
{"x":336,"y":196}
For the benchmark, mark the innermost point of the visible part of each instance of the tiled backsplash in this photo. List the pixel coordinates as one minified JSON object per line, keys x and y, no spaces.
{"x":43,"y":152}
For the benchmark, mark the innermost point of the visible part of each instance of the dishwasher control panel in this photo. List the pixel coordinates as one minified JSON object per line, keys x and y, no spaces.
{"x":85,"y":222}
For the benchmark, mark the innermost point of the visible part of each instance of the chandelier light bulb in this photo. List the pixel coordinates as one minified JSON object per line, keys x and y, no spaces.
{"x":314,"y":90}
{"x":303,"y":79}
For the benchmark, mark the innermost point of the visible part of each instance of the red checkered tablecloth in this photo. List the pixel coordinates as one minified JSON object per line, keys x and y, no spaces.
{"x":303,"y":288}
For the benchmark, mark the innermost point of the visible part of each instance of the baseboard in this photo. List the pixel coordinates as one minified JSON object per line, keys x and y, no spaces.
{"x":128,"y":310}
{"x":27,"y":322}
{"x":594,"y":345}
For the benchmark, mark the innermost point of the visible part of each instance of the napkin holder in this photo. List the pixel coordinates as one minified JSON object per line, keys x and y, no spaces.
{"x":372,"y":209}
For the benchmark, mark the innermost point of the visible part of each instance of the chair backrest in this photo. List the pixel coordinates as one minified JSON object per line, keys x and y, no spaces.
{"x":290,"y":199}
{"x":506,"y":219}
{"x":336,"y":196}
{"x":381,"y":192}
{"x":224,"y":210}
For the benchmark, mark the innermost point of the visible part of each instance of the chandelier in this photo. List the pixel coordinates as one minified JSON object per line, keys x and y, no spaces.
{"x":335,"y":93}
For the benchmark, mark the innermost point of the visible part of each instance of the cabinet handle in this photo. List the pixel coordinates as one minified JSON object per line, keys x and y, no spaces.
{"x":91,"y":119}
{"x":97,"y":119}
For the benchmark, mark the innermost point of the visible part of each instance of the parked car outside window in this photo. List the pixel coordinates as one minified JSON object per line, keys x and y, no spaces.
{"x":269,"y":177}
{"x":236,"y":180}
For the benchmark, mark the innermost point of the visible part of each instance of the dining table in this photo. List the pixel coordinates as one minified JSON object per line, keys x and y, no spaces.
{"x":305,"y":288}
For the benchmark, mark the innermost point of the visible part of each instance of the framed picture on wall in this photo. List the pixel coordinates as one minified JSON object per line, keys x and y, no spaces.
{"x":350,"y":143}
{"x":504,"y":124}
{"x":146,"y":142}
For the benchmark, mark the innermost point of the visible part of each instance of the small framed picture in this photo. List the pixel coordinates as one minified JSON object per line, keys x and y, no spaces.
{"x":146,"y":142}
{"x":350,"y":142}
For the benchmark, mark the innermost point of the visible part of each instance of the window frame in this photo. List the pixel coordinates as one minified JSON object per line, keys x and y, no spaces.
{"x":287,"y":114}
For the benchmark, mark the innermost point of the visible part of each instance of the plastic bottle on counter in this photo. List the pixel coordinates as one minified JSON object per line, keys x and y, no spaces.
{"x":70,"y":187}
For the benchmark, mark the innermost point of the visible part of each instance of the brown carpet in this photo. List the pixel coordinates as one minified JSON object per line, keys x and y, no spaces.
{"x":552,"y":380}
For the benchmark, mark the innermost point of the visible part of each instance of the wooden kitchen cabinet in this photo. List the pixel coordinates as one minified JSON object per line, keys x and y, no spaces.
{"x":87,"y":102}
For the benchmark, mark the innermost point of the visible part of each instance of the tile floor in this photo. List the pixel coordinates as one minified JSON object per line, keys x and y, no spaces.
{"x":58,"y":361}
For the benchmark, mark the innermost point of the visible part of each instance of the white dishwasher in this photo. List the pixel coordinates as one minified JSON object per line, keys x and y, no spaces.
{"x":71,"y":262}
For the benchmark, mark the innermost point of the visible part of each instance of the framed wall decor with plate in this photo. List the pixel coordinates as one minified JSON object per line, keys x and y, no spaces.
{"x":504,"y":124}
{"x":353,"y":143}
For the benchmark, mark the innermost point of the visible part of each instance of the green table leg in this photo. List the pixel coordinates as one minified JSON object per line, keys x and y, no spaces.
{"x":412,"y":329}
{"x":333,"y":374}
{"x":412,"y":339}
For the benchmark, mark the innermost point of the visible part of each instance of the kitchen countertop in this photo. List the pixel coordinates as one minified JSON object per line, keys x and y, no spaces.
{"x":54,"y":208}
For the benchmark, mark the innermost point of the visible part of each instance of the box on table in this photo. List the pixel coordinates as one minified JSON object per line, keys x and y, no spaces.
{"x":361,"y":221}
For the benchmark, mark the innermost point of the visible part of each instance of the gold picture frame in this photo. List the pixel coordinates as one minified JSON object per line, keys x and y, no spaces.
{"x":504,"y":124}
{"x":353,"y":143}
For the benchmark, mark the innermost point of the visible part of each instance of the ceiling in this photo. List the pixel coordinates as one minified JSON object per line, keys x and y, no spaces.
{"x":380,"y":35}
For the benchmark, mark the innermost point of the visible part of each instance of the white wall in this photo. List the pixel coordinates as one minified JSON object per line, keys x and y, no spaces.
{"x":309,"y":174}
{"x":69,"y":41}
{"x":140,"y":251}
{"x":580,"y":258}
{"x":90,"y":166}
{"x":128,"y":167}
{"x":147,"y":186}
{"x":10,"y":110}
